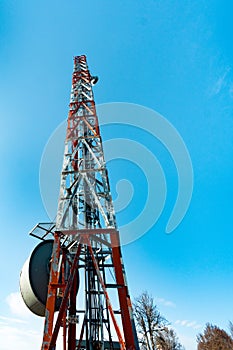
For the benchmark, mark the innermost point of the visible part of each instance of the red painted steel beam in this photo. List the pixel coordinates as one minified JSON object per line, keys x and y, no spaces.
{"x":52,"y":293}
{"x":124,"y":299}
{"x":63,"y":305}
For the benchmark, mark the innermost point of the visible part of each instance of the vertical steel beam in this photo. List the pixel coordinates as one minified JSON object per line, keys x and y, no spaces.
{"x":63,"y":306}
{"x":72,"y":313}
{"x":52,"y":293}
{"x":124,"y":298}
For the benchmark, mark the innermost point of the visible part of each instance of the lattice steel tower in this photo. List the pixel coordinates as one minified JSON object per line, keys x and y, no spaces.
{"x":85,"y":256}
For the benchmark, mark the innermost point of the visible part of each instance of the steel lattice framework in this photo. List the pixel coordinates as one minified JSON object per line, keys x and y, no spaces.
{"x":85,"y":200}
{"x":86,"y":260}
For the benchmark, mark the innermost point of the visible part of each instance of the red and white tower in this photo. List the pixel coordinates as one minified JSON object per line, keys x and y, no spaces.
{"x":84,"y":255}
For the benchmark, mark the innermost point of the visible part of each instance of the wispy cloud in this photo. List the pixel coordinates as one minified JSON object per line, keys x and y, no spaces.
{"x":221,"y":83}
{"x":22,"y":338}
{"x":189,"y":324}
{"x":17,"y":306}
{"x":231,"y":90}
{"x":20,"y":327}
{"x":165,"y":302}
{"x":7,"y":320}
{"x":27,"y":337}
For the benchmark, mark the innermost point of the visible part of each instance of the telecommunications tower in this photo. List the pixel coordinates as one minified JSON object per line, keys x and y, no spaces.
{"x":77,"y":270}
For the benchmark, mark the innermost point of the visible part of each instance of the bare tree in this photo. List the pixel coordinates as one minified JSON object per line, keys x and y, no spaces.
{"x":152,"y":326}
{"x":231,"y":329}
{"x":167,"y":340}
{"x":149,"y":321}
{"x":214,"y":338}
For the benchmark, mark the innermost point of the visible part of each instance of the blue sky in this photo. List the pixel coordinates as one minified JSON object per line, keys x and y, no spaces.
{"x":174,"y":57}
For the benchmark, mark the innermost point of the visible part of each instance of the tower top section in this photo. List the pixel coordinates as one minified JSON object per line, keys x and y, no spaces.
{"x":82,"y":100}
{"x":85,"y":200}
